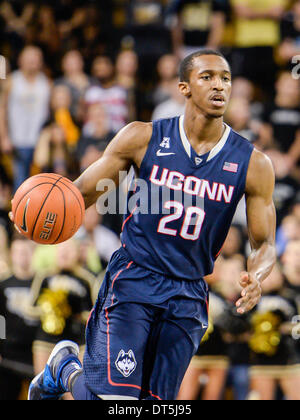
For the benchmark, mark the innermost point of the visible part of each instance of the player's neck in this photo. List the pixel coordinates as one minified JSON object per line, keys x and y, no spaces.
{"x":202,"y":129}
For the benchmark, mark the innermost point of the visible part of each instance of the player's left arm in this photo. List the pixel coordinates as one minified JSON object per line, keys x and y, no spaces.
{"x":261,"y":218}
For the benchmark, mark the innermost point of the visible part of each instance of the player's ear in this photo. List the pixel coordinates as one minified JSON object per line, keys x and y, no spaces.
{"x":184,"y":89}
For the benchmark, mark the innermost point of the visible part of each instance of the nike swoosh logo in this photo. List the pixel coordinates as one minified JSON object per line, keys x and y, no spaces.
{"x":160,"y":153}
{"x":24,"y":226}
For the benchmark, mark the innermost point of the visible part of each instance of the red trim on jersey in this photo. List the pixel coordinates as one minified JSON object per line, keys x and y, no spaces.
{"x":129,"y":217}
{"x":108,"y":342}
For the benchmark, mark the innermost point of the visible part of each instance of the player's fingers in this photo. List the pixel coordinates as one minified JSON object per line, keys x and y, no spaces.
{"x":17,"y":229}
{"x":248,"y":300}
{"x":248,"y":306}
{"x":249,"y":289}
{"x":11,"y":216}
{"x":245,"y":279}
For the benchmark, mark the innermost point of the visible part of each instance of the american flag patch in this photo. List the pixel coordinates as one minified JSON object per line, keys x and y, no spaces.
{"x":230,"y":167}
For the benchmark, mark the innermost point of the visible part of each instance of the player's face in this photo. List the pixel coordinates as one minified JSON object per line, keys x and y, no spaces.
{"x":210,"y":85}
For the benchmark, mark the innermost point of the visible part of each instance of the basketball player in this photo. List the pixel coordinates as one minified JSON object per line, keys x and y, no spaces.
{"x":151,"y":312}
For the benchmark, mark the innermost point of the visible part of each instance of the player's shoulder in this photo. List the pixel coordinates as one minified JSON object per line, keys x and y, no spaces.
{"x":144,"y":128}
{"x":260,"y":162}
{"x":132,"y":137}
{"x":261,"y":176}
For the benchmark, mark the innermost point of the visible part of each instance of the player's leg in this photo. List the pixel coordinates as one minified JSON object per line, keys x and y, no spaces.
{"x":117,"y":339}
{"x":174,"y":342}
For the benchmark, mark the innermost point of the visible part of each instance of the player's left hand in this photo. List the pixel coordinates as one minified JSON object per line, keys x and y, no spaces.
{"x":251,"y":293}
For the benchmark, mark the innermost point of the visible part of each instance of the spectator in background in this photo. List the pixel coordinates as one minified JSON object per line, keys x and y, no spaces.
{"x":52,"y":154}
{"x":206,"y":375}
{"x":244,"y":89}
{"x":195,"y":24}
{"x":105,"y":240}
{"x":127,"y":65}
{"x":24,"y":110}
{"x":238,"y":116}
{"x":234,"y":242}
{"x":257,"y":33}
{"x":126,"y":69}
{"x":16,"y":16}
{"x":281,"y":119}
{"x":144,"y":23}
{"x":62,"y":302}
{"x":96,"y":135}
{"x":291,"y":268}
{"x":274,"y":356}
{"x":70,"y":17}
{"x":16,"y":363}
{"x":288,"y":231}
{"x":286,"y":187}
{"x":75,"y":79}
{"x":108,"y":93}
{"x":55,"y":150}
{"x":43,"y":32}
{"x":236,"y":328}
{"x":61,"y":104}
{"x":174,"y":106}
{"x":290,"y":35}
{"x":4,"y":254}
{"x":167,"y":70}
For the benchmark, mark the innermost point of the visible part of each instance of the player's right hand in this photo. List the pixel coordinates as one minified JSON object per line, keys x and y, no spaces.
{"x":11,"y":216}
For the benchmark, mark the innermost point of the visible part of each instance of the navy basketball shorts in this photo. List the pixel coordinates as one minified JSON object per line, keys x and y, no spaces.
{"x":142,"y":332}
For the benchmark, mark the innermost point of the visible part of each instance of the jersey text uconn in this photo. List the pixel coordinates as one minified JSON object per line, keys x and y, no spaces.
{"x":191,"y":185}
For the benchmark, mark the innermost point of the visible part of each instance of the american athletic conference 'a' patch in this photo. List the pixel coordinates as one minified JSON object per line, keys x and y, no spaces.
{"x":126,"y":363}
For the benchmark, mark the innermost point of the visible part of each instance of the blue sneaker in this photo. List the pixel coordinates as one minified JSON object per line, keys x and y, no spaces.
{"x":48,"y":385}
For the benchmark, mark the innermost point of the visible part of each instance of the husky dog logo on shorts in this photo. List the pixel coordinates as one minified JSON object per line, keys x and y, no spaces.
{"x":126,"y":363}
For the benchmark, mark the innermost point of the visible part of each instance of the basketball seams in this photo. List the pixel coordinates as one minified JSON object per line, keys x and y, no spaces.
{"x":47,"y":183}
{"x":63,"y":223}
{"x":42,"y":206}
{"x":67,"y":186}
{"x":29,"y":191}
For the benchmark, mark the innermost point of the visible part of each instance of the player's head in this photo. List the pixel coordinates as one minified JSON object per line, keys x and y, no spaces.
{"x":205,"y":80}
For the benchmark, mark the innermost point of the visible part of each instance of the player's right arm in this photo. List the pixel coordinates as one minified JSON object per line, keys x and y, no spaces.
{"x":126,"y":149}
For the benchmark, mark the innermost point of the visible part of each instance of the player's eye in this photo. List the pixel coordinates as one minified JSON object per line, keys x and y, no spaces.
{"x":207,"y":77}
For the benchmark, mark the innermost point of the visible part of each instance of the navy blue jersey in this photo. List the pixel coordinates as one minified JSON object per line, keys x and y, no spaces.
{"x":182,"y":205}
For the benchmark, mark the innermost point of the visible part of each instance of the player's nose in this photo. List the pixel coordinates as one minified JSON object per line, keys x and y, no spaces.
{"x":217,"y":84}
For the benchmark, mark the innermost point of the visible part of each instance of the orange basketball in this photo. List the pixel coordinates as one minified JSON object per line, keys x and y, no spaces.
{"x":48,"y":209}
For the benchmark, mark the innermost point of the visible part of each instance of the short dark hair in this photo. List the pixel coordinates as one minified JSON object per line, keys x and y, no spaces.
{"x":186,"y":65}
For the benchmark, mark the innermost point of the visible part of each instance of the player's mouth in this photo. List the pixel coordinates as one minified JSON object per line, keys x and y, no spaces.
{"x":218,"y":101}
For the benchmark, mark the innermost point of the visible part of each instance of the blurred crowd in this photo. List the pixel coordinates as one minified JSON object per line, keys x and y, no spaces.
{"x":76,"y":73}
